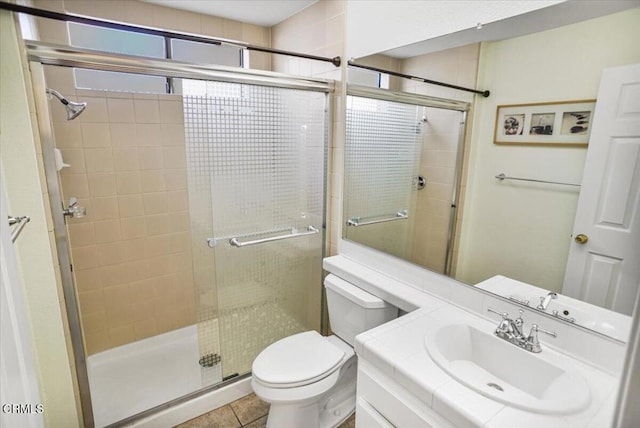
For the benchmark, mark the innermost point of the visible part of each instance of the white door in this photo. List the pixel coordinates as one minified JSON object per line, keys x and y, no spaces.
{"x":605,"y":269}
{"x":19,"y":389}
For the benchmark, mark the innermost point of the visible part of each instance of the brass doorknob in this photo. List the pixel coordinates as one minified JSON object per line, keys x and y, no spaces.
{"x":581,"y":238}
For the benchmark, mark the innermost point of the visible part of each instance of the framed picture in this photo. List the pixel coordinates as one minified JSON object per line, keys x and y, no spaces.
{"x":566,"y":123}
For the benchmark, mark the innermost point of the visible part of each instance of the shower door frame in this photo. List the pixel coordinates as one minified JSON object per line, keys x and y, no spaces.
{"x":431,"y":102}
{"x":40,"y":54}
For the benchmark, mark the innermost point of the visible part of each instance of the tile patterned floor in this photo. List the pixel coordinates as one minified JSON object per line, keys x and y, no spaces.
{"x":247,"y":412}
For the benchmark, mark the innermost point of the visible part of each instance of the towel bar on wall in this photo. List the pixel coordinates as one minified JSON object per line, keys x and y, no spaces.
{"x":502,"y":176}
{"x":21,"y":222}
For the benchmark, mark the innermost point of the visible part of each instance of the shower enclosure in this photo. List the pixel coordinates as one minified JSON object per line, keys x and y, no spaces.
{"x":403,"y":160}
{"x":203,"y":237}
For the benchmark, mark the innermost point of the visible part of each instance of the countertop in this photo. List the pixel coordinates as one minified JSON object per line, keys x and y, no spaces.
{"x":397,"y":349}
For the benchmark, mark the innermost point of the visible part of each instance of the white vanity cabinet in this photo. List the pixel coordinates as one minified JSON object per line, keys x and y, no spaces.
{"x":383,"y":403}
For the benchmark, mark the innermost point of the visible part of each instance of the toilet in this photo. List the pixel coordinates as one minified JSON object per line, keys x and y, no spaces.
{"x":310,"y":379}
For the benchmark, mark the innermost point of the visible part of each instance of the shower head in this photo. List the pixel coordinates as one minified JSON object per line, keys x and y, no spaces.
{"x":73,"y":109}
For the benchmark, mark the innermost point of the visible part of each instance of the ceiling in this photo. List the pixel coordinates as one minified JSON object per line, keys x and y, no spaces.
{"x":546,"y":18}
{"x":266,"y":13}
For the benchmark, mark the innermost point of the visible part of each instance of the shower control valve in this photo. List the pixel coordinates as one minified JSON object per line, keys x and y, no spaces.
{"x":74,"y":210}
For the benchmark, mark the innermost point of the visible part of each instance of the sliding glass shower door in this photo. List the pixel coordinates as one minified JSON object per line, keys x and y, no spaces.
{"x":381,"y":160}
{"x":256,"y":159}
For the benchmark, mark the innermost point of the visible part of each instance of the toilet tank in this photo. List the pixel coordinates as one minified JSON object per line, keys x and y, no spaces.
{"x":353,"y":310}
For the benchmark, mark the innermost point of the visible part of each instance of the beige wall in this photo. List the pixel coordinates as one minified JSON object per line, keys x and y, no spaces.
{"x":520,"y":231}
{"x":23,"y":176}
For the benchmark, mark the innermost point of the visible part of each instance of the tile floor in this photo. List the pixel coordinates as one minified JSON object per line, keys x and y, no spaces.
{"x":247,"y":412}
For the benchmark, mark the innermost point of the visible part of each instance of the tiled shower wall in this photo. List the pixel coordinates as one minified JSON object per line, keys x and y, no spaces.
{"x":132,"y":252}
{"x":440,"y":141}
{"x":118,"y":223}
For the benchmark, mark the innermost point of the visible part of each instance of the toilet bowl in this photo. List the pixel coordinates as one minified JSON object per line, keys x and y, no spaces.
{"x":309,"y":379}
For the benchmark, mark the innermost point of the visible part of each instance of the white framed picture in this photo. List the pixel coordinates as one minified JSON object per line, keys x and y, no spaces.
{"x":566,"y":123}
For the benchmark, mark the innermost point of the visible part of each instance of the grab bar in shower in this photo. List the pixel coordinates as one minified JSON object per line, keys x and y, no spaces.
{"x":21,"y":222}
{"x":502,"y":176}
{"x":235,"y":241}
{"x":357,"y":221}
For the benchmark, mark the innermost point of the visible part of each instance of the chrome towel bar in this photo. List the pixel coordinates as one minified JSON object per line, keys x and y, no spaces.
{"x":357,"y":221}
{"x":502,"y":176}
{"x":235,"y":241}
{"x":310,"y":231}
{"x":21,"y":223}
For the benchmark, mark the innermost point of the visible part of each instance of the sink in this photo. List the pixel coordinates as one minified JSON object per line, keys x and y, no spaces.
{"x":596,"y":318}
{"x":503,"y":372}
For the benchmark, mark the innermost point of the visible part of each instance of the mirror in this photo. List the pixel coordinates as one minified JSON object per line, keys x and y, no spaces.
{"x":498,"y":229}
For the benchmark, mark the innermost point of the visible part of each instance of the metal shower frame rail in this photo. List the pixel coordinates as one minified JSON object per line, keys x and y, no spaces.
{"x":67,"y":56}
{"x":42,"y":13}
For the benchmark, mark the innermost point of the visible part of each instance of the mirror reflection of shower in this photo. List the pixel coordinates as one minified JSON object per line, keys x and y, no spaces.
{"x":73,"y":109}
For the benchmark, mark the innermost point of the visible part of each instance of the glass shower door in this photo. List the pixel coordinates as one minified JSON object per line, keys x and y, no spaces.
{"x":259,"y":153}
{"x":381,"y":162}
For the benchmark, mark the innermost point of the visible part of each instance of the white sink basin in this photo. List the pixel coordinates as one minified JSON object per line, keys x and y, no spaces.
{"x":503,"y":372}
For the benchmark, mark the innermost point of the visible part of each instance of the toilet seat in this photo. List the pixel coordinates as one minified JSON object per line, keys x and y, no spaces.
{"x":297,"y":360}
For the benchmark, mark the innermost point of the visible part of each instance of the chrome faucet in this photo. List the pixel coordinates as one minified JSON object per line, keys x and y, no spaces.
{"x":544,"y":301}
{"x":511,"y":331}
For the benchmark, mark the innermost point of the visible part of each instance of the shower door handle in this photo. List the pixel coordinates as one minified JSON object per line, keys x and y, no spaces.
{"x":236,"y":242}
{"x":357,"y":221}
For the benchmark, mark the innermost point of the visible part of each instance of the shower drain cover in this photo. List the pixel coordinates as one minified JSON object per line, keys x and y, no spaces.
{"x":209,"y":360}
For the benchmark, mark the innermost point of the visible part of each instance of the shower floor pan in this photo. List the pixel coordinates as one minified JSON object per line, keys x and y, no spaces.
{"x":132,"y":378}
{"x":135,"y":377}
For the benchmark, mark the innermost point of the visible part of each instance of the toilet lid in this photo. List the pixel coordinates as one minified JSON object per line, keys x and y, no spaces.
{"x":297,"y":360}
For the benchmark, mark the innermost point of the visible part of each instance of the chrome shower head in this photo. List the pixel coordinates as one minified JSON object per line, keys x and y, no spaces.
{"x":73,"y":109}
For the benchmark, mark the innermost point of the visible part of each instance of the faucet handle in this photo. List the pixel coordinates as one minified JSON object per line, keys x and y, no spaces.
{"x":532,"y":340}
{"x":504,"y":315}
{"x":74,"y":210}
{"x":519,"y":322}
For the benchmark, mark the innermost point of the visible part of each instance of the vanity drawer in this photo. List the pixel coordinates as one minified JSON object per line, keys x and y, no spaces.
{"x":392,"y":403}
{"x":368,"y":417}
